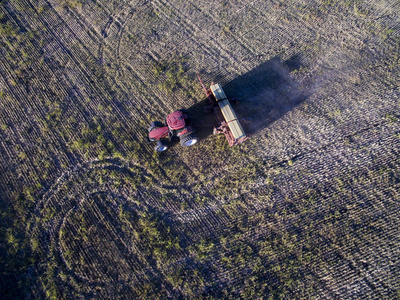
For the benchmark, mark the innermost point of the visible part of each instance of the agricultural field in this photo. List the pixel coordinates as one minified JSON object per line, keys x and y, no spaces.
{"x":308,"y":208}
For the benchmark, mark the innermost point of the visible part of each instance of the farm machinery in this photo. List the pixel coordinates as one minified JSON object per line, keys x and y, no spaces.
{"x":178,"y":122}
{"x":177,"y":125}
{"x":225,"y":116}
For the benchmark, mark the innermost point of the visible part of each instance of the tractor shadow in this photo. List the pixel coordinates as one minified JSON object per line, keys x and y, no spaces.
{"x":264,"y":95}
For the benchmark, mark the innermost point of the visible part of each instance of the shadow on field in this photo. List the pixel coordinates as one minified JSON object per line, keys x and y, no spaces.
{"x":265,"y":94}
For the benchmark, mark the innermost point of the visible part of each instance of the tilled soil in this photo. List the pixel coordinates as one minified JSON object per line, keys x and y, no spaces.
{"x":306,"y":208}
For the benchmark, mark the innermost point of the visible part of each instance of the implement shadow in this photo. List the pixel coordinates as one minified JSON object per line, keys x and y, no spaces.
{"x":265,"y":94}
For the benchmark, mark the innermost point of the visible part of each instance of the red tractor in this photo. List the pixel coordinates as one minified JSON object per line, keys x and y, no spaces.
{"x":178,"y":125}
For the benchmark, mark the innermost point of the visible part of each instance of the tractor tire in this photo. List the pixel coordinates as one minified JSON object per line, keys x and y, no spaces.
{"x":155,"y":125}
{"x":188,"y":140}
{"x":161,"y":146}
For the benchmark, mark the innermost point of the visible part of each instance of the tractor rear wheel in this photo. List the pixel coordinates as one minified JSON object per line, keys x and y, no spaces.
{"x":188,"y":140}
{"x":161,"y":146}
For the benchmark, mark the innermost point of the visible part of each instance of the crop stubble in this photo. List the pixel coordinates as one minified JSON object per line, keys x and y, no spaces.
{"x":306,"y":208}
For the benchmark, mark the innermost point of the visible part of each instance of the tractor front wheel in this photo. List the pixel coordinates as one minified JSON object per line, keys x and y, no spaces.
{"x":161,"y":146}
{"x":189,"y":140}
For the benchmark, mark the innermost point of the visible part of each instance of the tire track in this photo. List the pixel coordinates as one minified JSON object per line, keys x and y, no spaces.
{"x":70,"y":195}
{"x":88,"y":79}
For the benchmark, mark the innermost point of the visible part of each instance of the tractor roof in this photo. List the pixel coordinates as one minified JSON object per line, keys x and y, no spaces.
{"x":175,"y":120}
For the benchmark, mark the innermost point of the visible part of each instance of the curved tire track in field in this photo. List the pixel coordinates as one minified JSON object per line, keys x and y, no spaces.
{"x":81,"y":220}
{"x":122,"y":11}
{"x":91,"y":222}
{"x":87,"y":226}
{"x":83,"y":75}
